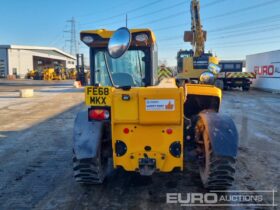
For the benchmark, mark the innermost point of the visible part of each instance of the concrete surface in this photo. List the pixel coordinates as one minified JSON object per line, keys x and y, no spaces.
{"x":36,"y":156}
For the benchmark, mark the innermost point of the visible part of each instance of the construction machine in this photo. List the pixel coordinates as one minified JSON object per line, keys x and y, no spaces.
{"x":59,"y":73}
{"x":71,"y":73}
{"x":192,"y":63}
{"x":38,"y":74}
{"x":81,"y":73}
{"x":30,"y":74}
{"x":134,"y":122}
{"x":49,"y":74}
{"x":56,"y":73}
{"x":232,"y":76}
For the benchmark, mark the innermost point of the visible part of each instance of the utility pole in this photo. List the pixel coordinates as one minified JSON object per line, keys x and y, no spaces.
{"x":73,"y":41}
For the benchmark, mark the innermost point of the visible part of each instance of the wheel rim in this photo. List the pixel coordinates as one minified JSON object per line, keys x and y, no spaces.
{"x":202,"y":141}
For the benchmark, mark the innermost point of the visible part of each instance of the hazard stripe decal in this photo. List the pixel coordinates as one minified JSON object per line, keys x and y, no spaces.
{"x":241,"y":75}
{"x":164,"y":73}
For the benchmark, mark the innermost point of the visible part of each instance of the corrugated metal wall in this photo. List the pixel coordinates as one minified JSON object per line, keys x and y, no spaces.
{"x":267,"y":67}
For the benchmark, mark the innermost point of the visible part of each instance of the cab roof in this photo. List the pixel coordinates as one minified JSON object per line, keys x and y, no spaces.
{"x":106,"y":34}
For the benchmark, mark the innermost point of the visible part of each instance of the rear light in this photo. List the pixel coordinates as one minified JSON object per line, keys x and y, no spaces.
{"x":169,"y":131}
{"x":126,"y":130}
{"x":98,"y":114}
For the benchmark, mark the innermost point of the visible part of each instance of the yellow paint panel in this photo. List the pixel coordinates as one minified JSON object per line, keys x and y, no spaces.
{"x":150,"y":129}
{"x":214,"y":60}
{"x":153,"y":136}
{"x":125,"y":110}
{"x":160,"y":105}
{"x":190,"y":72}
{"x":199,"y":89}
{"x":167,"y":83}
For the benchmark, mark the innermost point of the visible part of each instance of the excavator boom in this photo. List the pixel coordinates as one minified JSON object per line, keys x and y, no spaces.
{"x":192,"y":63}
{"x":196,"y":36}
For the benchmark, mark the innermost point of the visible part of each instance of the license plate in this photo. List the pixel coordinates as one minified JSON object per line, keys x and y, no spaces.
{"x":98,"y":96}
{"x":239,"y":82}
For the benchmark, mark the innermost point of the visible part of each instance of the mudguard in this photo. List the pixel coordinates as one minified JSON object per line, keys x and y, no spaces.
{"x":87,"y":136}
{"x":222,"y":133}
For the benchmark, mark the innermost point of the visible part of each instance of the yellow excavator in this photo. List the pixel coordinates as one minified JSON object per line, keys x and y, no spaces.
{"x":192,"y":63}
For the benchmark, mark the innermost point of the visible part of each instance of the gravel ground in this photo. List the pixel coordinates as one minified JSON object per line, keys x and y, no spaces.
{"x":36,"y":156}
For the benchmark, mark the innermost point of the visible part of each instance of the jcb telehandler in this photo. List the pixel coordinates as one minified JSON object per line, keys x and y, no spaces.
{"x":136,"y":123}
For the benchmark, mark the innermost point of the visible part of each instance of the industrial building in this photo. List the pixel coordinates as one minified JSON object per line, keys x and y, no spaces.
{"x":267,"y":68}
{"x":18,"y":60}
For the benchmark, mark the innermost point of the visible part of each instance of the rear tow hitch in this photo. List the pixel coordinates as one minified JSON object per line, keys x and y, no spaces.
{"x":147,"y":166}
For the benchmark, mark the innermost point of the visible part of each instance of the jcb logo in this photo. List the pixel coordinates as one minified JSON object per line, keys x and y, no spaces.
{"x":264,"y":70}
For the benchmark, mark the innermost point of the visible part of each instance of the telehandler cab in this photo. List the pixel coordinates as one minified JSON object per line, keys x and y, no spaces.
{"x":138,"y":124}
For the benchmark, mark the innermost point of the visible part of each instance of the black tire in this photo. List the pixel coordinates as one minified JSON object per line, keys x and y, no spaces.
{"x":36,"y":76}
{"x":219,"y":84}
{"x":90,"y":171}
{"x":216,"y":172}
{"x":245,"y":88}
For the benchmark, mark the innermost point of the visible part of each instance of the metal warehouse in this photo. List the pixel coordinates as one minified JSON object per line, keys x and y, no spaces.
{"x":18,"y":60}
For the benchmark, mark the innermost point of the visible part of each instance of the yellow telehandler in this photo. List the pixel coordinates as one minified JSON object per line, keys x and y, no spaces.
{"x":137,"y":123}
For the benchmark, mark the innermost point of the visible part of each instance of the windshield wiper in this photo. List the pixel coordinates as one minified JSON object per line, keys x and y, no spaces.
{"x":108,"y":70}
{"x":126,"y":87}
{"x":140,"y":68}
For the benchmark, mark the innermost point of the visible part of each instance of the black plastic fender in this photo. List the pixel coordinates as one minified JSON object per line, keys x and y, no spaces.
{"x":87,"y":136}
{"x":222,"y":133}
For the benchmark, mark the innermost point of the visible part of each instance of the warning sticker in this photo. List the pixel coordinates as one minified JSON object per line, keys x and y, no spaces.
{"x":160,"y":105}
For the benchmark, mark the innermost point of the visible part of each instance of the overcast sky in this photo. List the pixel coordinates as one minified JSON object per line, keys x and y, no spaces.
{"x":235,"y":28}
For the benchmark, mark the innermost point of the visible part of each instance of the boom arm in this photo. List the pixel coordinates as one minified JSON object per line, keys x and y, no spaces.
{"x":197,"y":36}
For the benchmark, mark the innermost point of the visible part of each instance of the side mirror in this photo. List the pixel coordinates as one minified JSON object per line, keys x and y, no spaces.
{"x":215,"y":69}
{"x":119,"y":42}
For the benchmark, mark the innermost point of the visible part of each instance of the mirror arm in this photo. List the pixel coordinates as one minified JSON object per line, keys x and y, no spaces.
{"x":111,"y":78}
{"x":139,"y":63}
{"x":108,"y":71}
